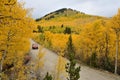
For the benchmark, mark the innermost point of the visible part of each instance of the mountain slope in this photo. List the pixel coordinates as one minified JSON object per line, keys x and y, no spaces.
{"x":66,"y":13}
{"x":68,"y":18}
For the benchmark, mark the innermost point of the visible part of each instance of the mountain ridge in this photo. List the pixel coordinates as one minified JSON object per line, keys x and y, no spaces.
{"x":67,"y":17}
{"x":64,"y":12}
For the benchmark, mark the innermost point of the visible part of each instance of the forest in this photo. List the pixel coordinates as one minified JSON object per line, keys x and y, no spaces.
{"x":16,"y":27}
{"x":73,"y":35}
{"x":95,"y":38}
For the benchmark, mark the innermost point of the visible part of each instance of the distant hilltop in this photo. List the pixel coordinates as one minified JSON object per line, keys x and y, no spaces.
{"x":64,"y":12}
{"x":67,"y":17}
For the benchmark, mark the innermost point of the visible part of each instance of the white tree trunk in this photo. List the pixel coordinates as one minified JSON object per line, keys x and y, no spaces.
{"x":117,"y":51}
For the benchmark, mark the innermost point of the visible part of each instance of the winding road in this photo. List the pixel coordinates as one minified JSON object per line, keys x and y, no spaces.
{"x":50,"y":61}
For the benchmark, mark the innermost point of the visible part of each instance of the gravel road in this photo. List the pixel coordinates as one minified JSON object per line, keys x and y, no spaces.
{"x":51,"y":59}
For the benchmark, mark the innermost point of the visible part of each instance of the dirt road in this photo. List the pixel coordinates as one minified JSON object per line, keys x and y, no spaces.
{"x":51,"y":59}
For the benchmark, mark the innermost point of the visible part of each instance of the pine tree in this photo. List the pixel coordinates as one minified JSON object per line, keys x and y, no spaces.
{"x":71,"y":69}
{"x":48,"y":77}
{"x":67,"y":30}
{"x":40,"y":29}
{"x":93,"y":60}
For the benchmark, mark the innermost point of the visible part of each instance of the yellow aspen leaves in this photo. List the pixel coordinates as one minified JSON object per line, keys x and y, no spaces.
{"x":15,"y":31}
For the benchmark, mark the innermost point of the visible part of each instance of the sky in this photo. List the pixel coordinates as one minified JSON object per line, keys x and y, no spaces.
{"x":106,"y":8}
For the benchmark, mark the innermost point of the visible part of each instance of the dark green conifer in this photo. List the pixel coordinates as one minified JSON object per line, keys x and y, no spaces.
{"x":71,"y":68}
{"x":48,"y":77}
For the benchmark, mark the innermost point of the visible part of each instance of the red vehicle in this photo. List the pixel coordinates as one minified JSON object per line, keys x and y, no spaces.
{"x":34,"y":46}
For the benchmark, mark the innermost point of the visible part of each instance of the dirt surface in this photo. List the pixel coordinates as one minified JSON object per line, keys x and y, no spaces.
{"x":50,"y":61}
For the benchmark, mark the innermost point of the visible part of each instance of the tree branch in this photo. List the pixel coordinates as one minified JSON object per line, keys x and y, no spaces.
{"x":8,"y":4}
{"x":3,"y":17}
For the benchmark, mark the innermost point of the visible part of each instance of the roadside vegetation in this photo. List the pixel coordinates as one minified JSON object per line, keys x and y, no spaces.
{"x":93,"y":40}
{"x":16,"y":28}
{"x":96,"y":41}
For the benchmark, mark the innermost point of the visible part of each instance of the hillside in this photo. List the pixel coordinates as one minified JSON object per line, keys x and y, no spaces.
{"x":66,"y":13}
{"x":68,"y":18}
{"x":63,"y":13}
{"x":93,"y":37}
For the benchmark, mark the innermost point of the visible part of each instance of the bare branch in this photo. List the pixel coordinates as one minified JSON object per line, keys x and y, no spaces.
{"x":3,"y":17}
{"x":8,"y":4}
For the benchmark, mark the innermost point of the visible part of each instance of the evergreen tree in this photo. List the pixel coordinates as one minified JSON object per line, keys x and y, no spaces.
{"x":48,"y":77}
{"x":40,"y":29}
{"x":71,"y":68}
{"x":62,"y":26}
{"x":93,"y":60}
{"x":67,"y":30}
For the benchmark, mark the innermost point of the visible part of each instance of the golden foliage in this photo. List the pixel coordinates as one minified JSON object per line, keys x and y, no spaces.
{"x":60,"y":67}
{"x":94,"y":37}
{"x":15,"y":31}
